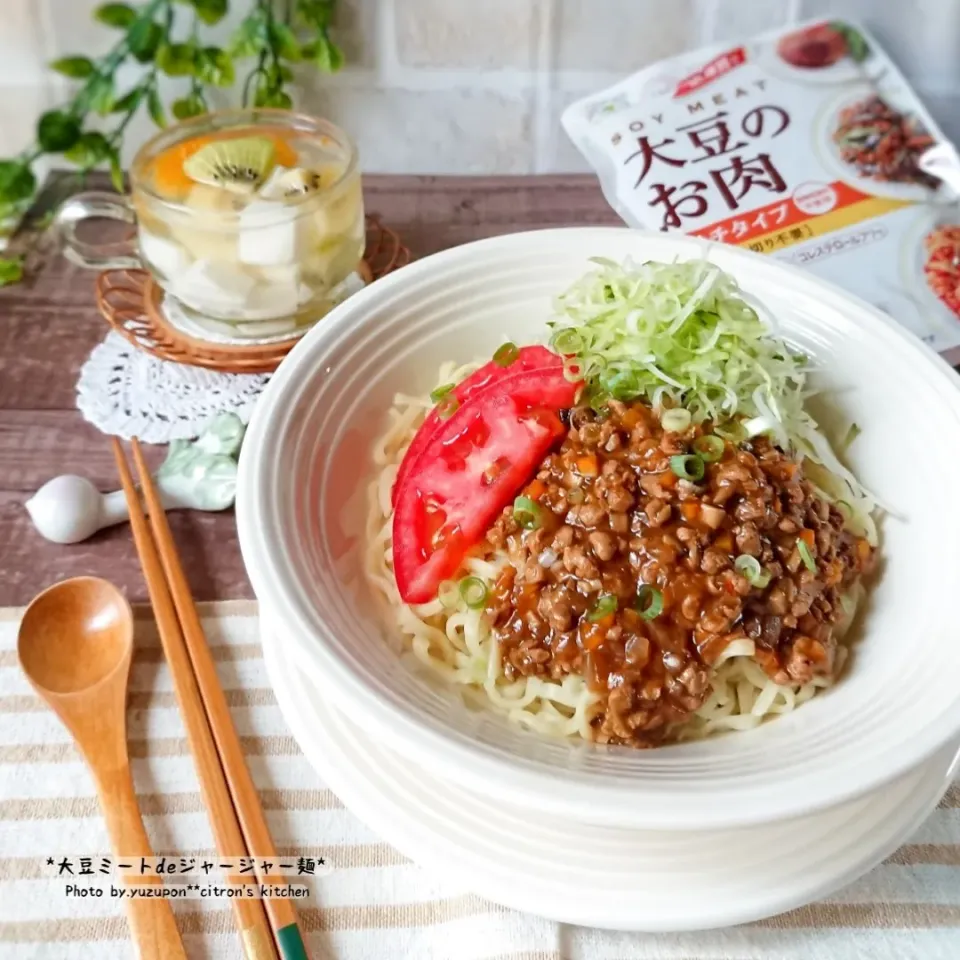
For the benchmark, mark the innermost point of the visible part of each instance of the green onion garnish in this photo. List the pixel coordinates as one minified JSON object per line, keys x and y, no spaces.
{"x":806,"y":556}
{"x":733,"y":432}
{"x":567,"y":342}
{"x":447,"y":594}
{"x":506,"y":354}
{"x":709,"y":447}
{"x":676,"y":420}
{"x":688,"y":466}
{"x":437,"y":395}
{"x":474,"y":592}
{"x":602,"y":608}
{"x":572,"y":371}
{"x":750,"y":568}
{"x":447,"y":407}
{"x":649,"y":602}
{"x":527,"y":513}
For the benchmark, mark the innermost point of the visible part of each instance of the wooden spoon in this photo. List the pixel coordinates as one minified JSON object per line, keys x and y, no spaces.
{"x":75,"y":645}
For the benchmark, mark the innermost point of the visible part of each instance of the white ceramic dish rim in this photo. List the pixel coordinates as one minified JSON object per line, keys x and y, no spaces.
{"x":663,"y":805}
{"x":414,"y":835}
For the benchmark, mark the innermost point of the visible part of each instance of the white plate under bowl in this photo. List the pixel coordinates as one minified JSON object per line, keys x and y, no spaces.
{"x":596,"y":876}
{"x":301,"y":505}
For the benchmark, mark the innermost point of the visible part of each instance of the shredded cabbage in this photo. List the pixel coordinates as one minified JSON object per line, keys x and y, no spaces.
{"x":685,"y":335}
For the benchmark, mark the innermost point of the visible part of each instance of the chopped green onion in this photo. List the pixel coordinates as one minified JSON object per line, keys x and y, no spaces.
{"x":602,"y":608}
{"x":709,"y":447}
{"x":572,"y":370}
{"x":649,"y":602}
{"x":806,"y":556}
{"x":567,"y":342}
{"x":447,"y":407}
{"x":676,"y":420}
{"x":437,"y":395}
{"x":750,"y":568}
{"x":506,"y":354}
{"x":732,"y":431}
{"x":474,"y":592}
{"x":527,"y":513}
{"x":447,"y":594}
{"x":688,"y":466}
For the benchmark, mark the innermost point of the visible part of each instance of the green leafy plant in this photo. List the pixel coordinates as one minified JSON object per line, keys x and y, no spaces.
{"x":88,"y":129}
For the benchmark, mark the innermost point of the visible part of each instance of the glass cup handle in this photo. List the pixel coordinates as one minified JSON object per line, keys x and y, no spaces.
{"x":96,"y":256}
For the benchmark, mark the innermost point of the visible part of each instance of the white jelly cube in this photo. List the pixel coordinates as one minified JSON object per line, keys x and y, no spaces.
{"x":165,"y":255}
{"x":216,"y":287}
{"x":269,"y":300}
{"x":268,"y":234}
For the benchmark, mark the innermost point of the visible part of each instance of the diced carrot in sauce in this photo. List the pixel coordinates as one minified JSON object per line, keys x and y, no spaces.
{"x":690,"y":510}
{"x":587,"y":466}
{"x":592,"y":639}
{"x":536,"y":489}
{"x":667,"y":479}
{"x":724,"y":542}
{"x":631,"y":417}
{"x":807,"y":536}
{"x":863,"y":550}
{"x":592,"y":634}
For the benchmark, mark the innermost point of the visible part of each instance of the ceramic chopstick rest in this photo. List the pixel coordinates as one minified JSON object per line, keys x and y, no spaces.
{"x":196,"y":475}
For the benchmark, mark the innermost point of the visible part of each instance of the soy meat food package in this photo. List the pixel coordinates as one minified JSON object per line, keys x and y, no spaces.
{"x":808,"y":146}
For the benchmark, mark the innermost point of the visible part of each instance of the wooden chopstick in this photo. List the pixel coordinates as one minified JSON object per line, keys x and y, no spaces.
{"x":246,"y":803}
{"x":254,"y":929}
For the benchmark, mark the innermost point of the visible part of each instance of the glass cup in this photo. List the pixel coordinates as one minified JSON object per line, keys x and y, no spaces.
{"x":253,"y":249}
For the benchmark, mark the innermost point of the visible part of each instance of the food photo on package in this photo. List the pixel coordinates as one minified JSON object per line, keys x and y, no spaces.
{"x":807,"y":145}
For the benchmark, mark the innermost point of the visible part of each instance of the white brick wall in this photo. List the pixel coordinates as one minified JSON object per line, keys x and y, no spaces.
{"x":477,"y":86}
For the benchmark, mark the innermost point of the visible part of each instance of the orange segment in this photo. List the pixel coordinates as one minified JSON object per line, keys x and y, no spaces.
{"x":166,"y":170}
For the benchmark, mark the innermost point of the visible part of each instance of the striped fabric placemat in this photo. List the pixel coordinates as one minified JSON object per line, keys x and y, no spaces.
{"x":375,"y":904}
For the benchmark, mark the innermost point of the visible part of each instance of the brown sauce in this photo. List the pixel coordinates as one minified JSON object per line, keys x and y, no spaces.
{"x":613,"y":518}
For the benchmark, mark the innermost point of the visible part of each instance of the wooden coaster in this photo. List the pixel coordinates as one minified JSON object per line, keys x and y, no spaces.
{"x":130,"y":301}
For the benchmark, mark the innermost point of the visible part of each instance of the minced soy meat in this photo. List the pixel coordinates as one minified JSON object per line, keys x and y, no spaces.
{"x":616,"y":533}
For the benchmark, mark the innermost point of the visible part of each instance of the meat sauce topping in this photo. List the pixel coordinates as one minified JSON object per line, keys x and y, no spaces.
{"x":612,"y":516}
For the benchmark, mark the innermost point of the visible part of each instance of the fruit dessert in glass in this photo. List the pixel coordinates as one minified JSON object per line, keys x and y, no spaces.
{"x":251,"y":219}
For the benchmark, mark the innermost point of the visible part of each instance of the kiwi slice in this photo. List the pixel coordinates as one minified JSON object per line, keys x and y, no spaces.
{"x":240,"y":165}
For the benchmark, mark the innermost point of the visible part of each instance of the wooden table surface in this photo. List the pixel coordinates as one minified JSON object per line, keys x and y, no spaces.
{"x":49,"y":324}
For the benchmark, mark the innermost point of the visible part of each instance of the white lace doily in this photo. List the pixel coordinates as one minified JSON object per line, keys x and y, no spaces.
{"x":129,"y":393}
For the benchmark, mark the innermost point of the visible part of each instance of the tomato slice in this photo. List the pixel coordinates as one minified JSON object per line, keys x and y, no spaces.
{"x":469,"y":470}
{"x":529,"y":358}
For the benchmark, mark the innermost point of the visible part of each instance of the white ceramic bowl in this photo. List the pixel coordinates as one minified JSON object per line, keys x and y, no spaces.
{"x":600,"y":876}
{"x":301,"y":501}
